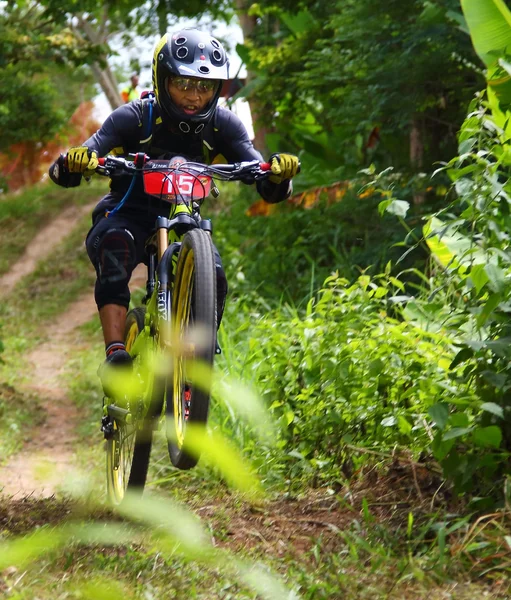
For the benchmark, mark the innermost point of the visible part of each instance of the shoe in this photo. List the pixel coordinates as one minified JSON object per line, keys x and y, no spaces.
{"x":119,"y":357}
{"x":117,"y":363}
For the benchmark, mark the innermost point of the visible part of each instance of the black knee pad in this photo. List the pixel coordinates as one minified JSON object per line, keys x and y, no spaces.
{"x":114,"y":257}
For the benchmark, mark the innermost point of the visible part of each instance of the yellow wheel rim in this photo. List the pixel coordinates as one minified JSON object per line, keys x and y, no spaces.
{"x":181,"y":319}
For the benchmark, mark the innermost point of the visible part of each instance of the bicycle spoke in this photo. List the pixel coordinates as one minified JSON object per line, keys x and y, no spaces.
{"x":128,"y":450}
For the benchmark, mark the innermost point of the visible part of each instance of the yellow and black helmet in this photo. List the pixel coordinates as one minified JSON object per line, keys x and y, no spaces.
{"x":189,"y":53}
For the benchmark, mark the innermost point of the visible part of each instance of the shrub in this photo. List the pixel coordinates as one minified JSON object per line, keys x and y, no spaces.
{"x":349,"y":372}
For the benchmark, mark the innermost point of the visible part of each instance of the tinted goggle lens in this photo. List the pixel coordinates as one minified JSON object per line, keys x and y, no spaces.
{"x":183,"y":84}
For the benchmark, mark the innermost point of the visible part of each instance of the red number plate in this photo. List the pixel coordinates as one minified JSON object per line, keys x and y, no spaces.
{"x":176,"y":185}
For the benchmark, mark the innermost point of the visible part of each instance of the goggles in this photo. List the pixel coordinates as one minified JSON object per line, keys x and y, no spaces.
{"x":202,"y":86}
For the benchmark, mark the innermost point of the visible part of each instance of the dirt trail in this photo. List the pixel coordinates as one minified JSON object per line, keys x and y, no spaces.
{"x":42,"y":244}
{"x":46,"y":460}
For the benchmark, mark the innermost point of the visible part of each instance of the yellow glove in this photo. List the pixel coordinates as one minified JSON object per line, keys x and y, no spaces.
{"x":283,"y":166}
{"x":82,"y":160}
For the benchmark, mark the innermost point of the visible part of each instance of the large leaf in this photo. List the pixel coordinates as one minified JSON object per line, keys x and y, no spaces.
{"x":489,"y":22}
{"x":439,"y":412}
{"x":488,"y":437}
{"x":450,"y":248}
{"x":298,"y":22}
{"x":494,"y":409}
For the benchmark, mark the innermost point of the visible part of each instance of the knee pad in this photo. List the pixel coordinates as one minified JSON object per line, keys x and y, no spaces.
{"x":115,"y":258}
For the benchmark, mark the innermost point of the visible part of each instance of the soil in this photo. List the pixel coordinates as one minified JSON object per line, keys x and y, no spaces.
{"x":42,"y":244}
{"x":45,"y":462}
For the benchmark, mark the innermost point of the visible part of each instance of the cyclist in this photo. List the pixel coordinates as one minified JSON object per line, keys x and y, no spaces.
{"x":187,"y":74}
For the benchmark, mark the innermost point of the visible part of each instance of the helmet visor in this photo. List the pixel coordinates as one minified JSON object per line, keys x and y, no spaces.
{"x":202,"y":86}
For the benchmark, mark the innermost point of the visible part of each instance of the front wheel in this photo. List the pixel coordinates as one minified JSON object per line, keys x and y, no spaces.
{"x":128,"y":446}
{"x":193,"y":316}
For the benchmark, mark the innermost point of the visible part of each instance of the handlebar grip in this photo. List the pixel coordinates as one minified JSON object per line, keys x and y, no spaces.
{"x":265,"y":166}
{"x":101,"y":162}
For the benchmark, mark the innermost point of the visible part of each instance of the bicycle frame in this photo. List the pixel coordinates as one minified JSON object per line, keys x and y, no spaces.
{"x":163,"y":249}
{"x":174,"y":252}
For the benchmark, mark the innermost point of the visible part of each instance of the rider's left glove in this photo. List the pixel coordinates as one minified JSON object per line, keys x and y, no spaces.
{"x":283,"y":166}
{"x":82,"y":160}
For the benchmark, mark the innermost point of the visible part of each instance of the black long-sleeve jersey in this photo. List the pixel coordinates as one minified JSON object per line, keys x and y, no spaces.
{"x":224,"y":138}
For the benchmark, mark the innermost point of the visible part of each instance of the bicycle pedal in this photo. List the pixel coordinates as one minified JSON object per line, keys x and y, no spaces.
{"x":107,"y":427}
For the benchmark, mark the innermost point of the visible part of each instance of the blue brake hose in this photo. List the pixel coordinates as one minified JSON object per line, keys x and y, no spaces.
{"x":118,"y":206}
{"x":132,"y":184}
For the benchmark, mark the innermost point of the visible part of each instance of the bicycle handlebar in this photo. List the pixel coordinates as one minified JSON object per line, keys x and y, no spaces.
{"x":111,"y":165}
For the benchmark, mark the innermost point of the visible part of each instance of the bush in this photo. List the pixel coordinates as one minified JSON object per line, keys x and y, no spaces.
{"x":289,"y":253}
{"x":348,"y":372}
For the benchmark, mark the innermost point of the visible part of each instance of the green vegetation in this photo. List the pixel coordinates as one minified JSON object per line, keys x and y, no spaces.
{"x":381,"y":529}
{"x":38,"y":61}
{"x":356,"y":81}
{"x":59,"y":279}
{"x":18,"y":412}
{"x":365,"y":373}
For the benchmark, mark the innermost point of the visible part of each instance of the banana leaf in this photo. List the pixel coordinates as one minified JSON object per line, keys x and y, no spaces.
{"x":489,"y":23}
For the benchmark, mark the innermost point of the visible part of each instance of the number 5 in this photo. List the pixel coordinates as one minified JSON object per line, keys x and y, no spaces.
{"x":185,"y":184}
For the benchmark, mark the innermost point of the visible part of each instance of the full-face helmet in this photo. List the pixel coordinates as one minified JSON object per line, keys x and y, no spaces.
{"x":188,"y":53}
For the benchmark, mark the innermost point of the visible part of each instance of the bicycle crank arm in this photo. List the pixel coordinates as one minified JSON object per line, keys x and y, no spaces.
{"x":117,"y":413}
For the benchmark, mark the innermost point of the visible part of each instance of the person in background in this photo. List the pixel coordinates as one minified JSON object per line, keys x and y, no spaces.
{"x":189,"y":68}
{"x":130,"y":92}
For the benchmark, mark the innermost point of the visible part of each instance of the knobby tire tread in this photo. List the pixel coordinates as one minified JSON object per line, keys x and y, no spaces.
{"x":204,"y":313}
{"x":144,"y":436}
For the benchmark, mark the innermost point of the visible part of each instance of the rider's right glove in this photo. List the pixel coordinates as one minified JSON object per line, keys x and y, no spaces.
{"x":82,"y":160}
{"x":59,"y":174}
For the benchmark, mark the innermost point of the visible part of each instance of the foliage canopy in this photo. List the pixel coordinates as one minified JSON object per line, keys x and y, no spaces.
{"x":331,"y":76}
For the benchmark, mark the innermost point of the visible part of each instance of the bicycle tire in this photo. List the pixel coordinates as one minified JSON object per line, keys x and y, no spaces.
{"x":129,"y":448}
{"x":193,"y":304}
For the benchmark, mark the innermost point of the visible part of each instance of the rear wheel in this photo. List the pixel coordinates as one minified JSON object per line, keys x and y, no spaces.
{"x":193,"y":316}
{"x":128,"y":447}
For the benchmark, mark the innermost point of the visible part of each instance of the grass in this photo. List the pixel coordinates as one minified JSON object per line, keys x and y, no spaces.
{"x":319,"y":547}
{"x":387,"y":532}
{"x":23,"y":214}
{"x":35,"y":302}
{"x":57,"y":282}
{"x":18,"y":413}
{"x":27,"y":313}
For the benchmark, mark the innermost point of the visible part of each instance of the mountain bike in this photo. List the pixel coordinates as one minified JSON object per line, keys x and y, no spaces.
{"x":172,"y":335}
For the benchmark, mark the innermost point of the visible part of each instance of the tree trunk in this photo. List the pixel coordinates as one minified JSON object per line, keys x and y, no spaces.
{"x":104,"y":76}
{"x":417,"y":154}
{"x":111,"y":92}
{"x":248,"y":24}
